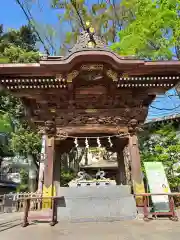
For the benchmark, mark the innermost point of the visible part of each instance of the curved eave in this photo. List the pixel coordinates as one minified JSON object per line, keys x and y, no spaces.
{"x":96,"y":56}
{"x":53,"y":65}
{"x":119,"y":63}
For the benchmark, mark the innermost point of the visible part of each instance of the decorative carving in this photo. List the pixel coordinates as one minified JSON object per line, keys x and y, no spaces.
{"x":127,"y":163}
{"x":84,"y":40}
{"x":113,"y":75}
{"x":98,"y":119}
{"x":41,"y":130}
{"x":120,"y":133}
{"x":61,"y":134}
{"x":91,"y":76}
{"x":72,"y":75}
{"x":50,"y":128}
{"x":92,"y":67}
{"x":85,"y":179}
{"x":133,"y":126}
{"x":82,"y":175}
{"x":100,"y":175}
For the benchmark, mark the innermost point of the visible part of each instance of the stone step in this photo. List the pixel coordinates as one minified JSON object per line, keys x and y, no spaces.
{"x":91,"y":204}
{"x":95,"y":192}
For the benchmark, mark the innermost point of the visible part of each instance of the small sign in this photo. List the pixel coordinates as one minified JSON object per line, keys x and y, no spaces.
{"x":158,"y":183}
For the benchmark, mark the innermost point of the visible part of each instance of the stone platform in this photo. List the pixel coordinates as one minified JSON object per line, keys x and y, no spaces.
{"x":96,"y":204}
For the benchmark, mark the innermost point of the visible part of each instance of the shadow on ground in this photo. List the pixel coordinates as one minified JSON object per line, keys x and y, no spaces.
{"x":9,"y":224}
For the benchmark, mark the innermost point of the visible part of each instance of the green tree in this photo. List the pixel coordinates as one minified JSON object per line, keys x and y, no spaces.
{"x":153,"y":32}
{"x":107,"y":17}
{"x":6,"y":128}
{"x":162,"y":144}
{"x":26,"y":142}
{"x":19,"y":46}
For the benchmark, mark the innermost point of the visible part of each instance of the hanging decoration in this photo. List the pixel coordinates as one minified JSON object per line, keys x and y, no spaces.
{"x":76,"y":142}
{"x":98,"y":139}
{"x":110,"y":143}
{"x":98,"y":143}
{"x":86,"y":143}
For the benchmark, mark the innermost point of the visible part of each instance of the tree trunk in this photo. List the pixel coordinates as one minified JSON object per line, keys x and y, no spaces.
{"x":32,"y":174}
{"x":1,"y":159}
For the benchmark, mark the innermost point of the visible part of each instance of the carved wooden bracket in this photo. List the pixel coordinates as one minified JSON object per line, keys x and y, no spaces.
{"x":113,"y":75}
{"x":133,"y":126}
{"x":48,"y":129}
{"x":72,"y":75}
{"x":61,"y":134}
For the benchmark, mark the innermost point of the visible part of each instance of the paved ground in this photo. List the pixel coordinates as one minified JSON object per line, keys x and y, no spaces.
{"x":129,"y":230}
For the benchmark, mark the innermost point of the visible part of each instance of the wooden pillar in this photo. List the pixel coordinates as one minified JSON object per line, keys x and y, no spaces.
{"x":48,"y":186}
{"x":136,"y":173}
{"x":121,"y":178}
{"x":41,"y":165}
{"x":57,"y":170}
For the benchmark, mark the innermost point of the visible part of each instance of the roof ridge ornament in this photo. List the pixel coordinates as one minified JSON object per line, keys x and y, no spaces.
{"x":88,"y":40}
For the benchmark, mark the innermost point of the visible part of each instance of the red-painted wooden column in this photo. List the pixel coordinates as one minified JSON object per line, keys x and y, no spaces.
{"x":48,"y":186}
{"x":136,"y":172}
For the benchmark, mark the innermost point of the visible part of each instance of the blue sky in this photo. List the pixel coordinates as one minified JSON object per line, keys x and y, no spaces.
{"x":11,"y":16}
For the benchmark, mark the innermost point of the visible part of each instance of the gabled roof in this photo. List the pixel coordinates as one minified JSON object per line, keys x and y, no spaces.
{"x":164,"y":119}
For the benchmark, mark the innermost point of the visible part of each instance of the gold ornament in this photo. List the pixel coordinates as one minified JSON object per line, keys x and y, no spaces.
{"x":88,"y":23}
{"x":72,"y":75}
{"x":91,"y":44}
{"x":91,"y":29}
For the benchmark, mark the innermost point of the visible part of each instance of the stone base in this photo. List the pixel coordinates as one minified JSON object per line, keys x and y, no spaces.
{"x":95,"y":183}
{"x":108,"y":203}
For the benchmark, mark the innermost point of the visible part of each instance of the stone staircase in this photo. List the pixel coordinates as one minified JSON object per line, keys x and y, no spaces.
{"x":101,"y":203}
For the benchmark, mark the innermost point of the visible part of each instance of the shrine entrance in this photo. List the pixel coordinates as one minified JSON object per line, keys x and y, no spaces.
{"x":84,"y":99}
{"x":89,"y":197}
{"x":91,"y":154}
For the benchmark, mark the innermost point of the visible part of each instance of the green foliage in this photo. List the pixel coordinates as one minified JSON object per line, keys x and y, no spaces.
{"x":18,"y":46}
{"x":5,"y":123}
{"x":12,"y":106}
{"x":153,"y":31}
{"x":23,"y":187}
{"x":23,"y":38}
{"x":25,"y":141}
{"x":66,"y":177}
{"x":6,"y":128}
{"x":106,"y":17}
{"x":162,"y":145}
{"x":18,"y":55}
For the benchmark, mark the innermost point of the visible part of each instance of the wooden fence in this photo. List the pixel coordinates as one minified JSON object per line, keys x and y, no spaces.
{"x":14,"y":202}
{"x":147,"y":215}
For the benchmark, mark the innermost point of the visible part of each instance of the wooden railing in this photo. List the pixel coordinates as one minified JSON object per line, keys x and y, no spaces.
{"x":14,"y":202}
{"x":33,"y":201}
{"x":53,"y":218}
{"x":171,"y":213}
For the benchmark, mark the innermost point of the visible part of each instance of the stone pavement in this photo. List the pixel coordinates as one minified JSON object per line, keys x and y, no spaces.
{"x":128,"y":230}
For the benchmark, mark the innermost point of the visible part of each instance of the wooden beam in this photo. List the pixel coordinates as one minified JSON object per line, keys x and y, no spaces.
{"x":94,"y":129}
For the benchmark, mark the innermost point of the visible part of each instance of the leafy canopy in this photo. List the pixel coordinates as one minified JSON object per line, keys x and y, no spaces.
{"x":163,"y":145}
{"x":153,"y":32}
{"x":107,"y":17}
{"x":18,"y":45}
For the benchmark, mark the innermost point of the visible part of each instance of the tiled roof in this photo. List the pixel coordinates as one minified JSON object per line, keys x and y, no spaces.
{"x":166,"y":118}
